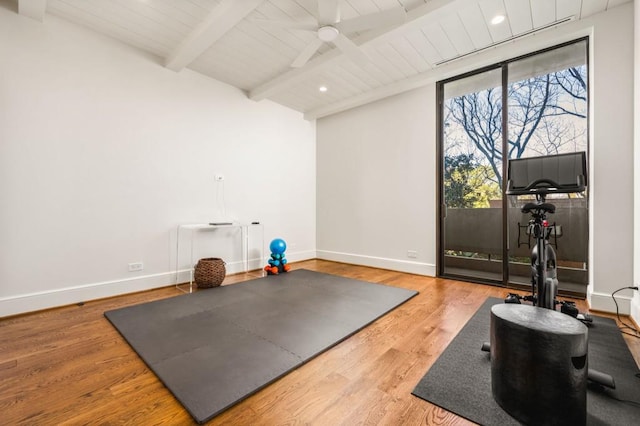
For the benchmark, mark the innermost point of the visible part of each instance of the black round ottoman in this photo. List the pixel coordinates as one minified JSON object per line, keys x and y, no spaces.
{"x":539,"y":365}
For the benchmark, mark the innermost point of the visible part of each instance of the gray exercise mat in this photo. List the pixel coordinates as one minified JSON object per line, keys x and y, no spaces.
{"x":215,"y":347}
{"x":460,"y":379}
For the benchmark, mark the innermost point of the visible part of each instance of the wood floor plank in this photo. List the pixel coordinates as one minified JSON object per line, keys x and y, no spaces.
{"x":70,"y":366}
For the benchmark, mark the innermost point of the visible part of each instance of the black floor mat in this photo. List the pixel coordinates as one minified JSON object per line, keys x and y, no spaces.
{"x":215,"y":347}
{"x":460,"y":380}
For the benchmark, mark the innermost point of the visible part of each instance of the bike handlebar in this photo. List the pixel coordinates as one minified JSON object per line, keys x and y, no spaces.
{"x":545,"y":186}
{"x":535,"y":185}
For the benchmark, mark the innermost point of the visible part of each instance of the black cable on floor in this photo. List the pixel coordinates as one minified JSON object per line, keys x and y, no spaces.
{"x":624,"y":325}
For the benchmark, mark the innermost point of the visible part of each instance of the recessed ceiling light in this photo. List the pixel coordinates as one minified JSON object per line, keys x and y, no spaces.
{"x":323,"y":89}
{"x":497,"y":19}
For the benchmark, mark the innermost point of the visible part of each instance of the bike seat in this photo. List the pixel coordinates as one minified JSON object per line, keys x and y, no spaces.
{"x":545,"y":207}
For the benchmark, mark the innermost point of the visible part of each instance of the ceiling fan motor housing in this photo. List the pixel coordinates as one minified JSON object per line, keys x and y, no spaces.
{"x":328,"y":33}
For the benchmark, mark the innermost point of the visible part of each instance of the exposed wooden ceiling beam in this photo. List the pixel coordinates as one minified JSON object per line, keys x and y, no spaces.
{"x":429,"y":11}
{"x":33,"y":9}
{"x":222,"y":18}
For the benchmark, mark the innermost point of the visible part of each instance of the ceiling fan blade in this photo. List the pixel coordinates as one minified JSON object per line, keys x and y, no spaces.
{"x":386,"y":18}
{"x":307,"y":53}
{"x":284,"y":24}
{"x":328,"y":12}
{"x":351,"y":50}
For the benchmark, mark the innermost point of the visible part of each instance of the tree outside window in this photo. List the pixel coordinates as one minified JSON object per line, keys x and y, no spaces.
{"x":546,"y":115}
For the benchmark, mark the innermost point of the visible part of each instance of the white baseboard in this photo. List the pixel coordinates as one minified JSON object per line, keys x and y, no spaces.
{"x":31,"y":302}
{"x":635,"y":309}
{"x":604,"y":302}
{"x":411,"y":267}
{"x":298,"y":256}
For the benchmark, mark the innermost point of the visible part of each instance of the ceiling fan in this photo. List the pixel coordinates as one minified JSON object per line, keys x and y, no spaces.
{"x":329,"y":28}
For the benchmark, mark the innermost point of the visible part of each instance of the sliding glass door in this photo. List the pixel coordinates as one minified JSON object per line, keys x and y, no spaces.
{"x":531,"y":106}
{"x":471,"y":177}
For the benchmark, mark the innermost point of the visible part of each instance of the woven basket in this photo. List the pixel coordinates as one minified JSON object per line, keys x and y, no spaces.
{"x":209,"y":272}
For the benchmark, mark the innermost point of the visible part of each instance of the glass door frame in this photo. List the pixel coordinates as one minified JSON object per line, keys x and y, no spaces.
{"x":440,"y":138}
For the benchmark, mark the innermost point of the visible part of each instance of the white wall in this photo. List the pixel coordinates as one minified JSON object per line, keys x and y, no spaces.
{"x":382,"y":156}
{"x":103,"y":152}
{"x":635,"y":304}
{"x":611,"y":158}
{"x":376,"y":184}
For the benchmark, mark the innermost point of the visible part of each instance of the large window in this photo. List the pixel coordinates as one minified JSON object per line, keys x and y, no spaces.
{"x":526,"y":107}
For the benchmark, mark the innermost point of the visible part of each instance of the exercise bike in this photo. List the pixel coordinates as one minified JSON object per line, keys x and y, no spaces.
{"x":544,"y":276}
{"x":541,"y":176}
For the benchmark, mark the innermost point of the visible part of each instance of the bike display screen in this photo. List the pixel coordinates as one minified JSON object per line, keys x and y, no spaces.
{"x":561,"y":173}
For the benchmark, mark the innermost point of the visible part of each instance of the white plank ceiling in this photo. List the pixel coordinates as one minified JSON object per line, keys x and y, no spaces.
{"x":244,"y":43}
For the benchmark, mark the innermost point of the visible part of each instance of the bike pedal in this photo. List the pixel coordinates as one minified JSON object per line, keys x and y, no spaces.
{"x":570,"y":309}
{"x":512,"y":298}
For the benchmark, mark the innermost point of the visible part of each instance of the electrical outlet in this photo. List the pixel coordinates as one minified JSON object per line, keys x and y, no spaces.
{"x":412,"y":254}
{"x":136,"y":266}
{"x":219,"y":177}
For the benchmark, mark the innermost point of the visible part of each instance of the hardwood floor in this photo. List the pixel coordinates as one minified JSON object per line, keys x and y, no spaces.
{"x":70,"y":366}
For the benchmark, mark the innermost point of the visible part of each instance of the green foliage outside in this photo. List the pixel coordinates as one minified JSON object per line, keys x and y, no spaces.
{"x":467,"y":183}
